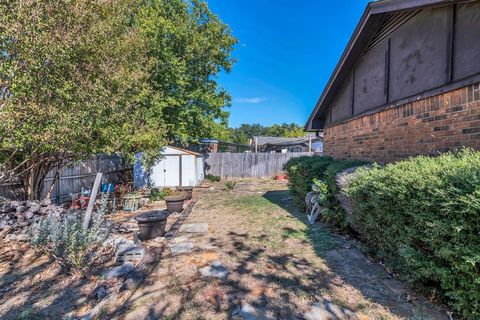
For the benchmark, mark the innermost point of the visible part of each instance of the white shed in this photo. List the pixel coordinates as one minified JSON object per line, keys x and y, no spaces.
{"x":177,"y":167}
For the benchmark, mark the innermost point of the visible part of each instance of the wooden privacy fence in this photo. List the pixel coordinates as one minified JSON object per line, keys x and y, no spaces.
{"x":72,"y":178}
{"x":248,"y":165}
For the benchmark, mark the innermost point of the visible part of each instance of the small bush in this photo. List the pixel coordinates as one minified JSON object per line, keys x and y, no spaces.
{"x":423,"y":215}
{"x":64,"y":238}
{"x":212,"y":178}
{"x":301,"y":172}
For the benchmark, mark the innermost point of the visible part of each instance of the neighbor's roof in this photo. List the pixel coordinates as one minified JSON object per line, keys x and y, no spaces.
{"x":370,"y":22}
{"x":281,"y":141}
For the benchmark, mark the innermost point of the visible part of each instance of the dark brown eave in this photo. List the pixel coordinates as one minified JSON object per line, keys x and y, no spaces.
{"x":370,"y":21}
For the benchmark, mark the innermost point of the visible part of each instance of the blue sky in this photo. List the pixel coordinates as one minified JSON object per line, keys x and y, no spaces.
{"x":287,"y":50}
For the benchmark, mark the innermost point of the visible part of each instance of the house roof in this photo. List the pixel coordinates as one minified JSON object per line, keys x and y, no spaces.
{"x":370,"y":22}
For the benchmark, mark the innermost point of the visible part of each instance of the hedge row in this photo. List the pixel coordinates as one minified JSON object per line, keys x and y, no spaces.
{"x":423,"y":215}
{"x":301,"y":172}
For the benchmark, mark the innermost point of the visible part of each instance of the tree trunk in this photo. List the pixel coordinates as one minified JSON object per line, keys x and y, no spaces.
{"x":36,"y":174}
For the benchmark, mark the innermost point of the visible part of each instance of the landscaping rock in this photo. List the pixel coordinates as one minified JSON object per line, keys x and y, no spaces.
{"x":20,"y":217}
{"x":216,"y":270}
{"x":101,"y":293}
{"x":119,"y":271}
{"x":128,"y":251}
{"x":28,"y":215}
{"x":34,"y":208}
{"x":179,"y":248}
{"x":249,"y":312}
{"x":328,"y":311}
{"x":194,"y":228}
{"x":21,"y":208}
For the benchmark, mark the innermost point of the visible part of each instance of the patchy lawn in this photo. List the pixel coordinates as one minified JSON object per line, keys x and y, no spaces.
{"x":278,"y":268}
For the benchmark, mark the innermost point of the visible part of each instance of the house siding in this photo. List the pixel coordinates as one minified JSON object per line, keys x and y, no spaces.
{"x":428,"y":126}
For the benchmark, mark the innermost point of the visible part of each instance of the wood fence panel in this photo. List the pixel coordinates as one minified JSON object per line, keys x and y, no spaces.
{"x":248,"y":165}
{"x":72,"y":178}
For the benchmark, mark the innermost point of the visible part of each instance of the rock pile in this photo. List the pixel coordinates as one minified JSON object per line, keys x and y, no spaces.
{"x":20,"y":214}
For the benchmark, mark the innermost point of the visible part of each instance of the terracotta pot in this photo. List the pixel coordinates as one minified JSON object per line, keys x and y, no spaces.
{"x":152,"y":224}
{"x":280,"y":177}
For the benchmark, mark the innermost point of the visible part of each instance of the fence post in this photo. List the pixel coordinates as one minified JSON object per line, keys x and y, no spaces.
{"x":91,"y":201}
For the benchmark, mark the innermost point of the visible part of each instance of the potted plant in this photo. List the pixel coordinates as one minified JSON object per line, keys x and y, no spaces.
{"x":280,"y":176}
{"x":187,"y":190}
{"x":152,"y":224}
{"x":175,"y":202}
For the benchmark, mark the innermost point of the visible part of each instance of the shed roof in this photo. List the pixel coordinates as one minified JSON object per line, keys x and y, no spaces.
{"x":185,"y":151}
{"x":371,"y":21}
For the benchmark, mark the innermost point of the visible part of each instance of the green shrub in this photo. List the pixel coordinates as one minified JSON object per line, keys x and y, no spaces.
{"x":212,"y":178}
{"x":303,"y":171}
{"x":423,"y":215}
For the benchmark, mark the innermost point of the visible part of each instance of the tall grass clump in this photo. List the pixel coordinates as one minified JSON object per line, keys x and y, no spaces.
{"x":423,"y":216}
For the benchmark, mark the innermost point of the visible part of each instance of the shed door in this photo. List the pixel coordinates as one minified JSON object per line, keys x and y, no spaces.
{"x":167,"y":172}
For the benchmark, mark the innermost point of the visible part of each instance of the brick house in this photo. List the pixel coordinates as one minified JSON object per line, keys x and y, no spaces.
{"x":408,"y":83}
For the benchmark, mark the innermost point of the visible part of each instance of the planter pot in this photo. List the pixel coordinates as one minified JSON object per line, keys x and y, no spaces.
{"x":175,"y":206}
{"x":188,"y":191}
{"x":280,"y":177}
{"x":152,"y":224}
{"x":175,"y":202}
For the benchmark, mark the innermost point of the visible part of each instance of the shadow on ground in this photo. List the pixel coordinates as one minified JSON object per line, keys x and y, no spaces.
{"x":348,"y":264}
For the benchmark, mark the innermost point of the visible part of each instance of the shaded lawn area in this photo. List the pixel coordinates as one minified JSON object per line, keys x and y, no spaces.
{"x":279,"y":266}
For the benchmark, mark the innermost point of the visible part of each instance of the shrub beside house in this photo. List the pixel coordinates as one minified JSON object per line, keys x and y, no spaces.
{"x":421,"y":216}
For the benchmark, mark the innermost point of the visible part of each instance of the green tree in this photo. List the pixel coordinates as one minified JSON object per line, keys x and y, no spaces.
{"x":245,"y":131}
{"x":71,"y":74}
{"x":82,"y":77}
{"x":187,"y":46}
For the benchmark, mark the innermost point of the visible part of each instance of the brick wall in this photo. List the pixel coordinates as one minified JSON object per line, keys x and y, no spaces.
{"x":428,"y":126}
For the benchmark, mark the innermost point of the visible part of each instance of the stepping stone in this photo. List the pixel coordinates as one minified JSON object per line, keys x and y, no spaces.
{"x":216,"y":270}
{"x":328,"y":311}
{"x":194,"y":228}
{"x":129,"y":252}
{"x":179,"y":248}
{"x":181,"y":239}
{"x":249,"y":312}
{"x":119,"y":271}
{"x":395,"y":286}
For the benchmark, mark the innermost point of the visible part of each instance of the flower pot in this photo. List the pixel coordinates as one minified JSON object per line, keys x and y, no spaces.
{"x":175,"y":206}
{"x":280,"y":177}
{"x":152,"y":224}
{"x":188,"y":191}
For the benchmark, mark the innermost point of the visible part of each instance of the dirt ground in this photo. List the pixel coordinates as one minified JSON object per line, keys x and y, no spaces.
{"x":278,"y":268}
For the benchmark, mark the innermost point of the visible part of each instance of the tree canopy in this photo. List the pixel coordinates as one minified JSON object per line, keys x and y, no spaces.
{"x":245,"y":131}
{"x":83,"y":77}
